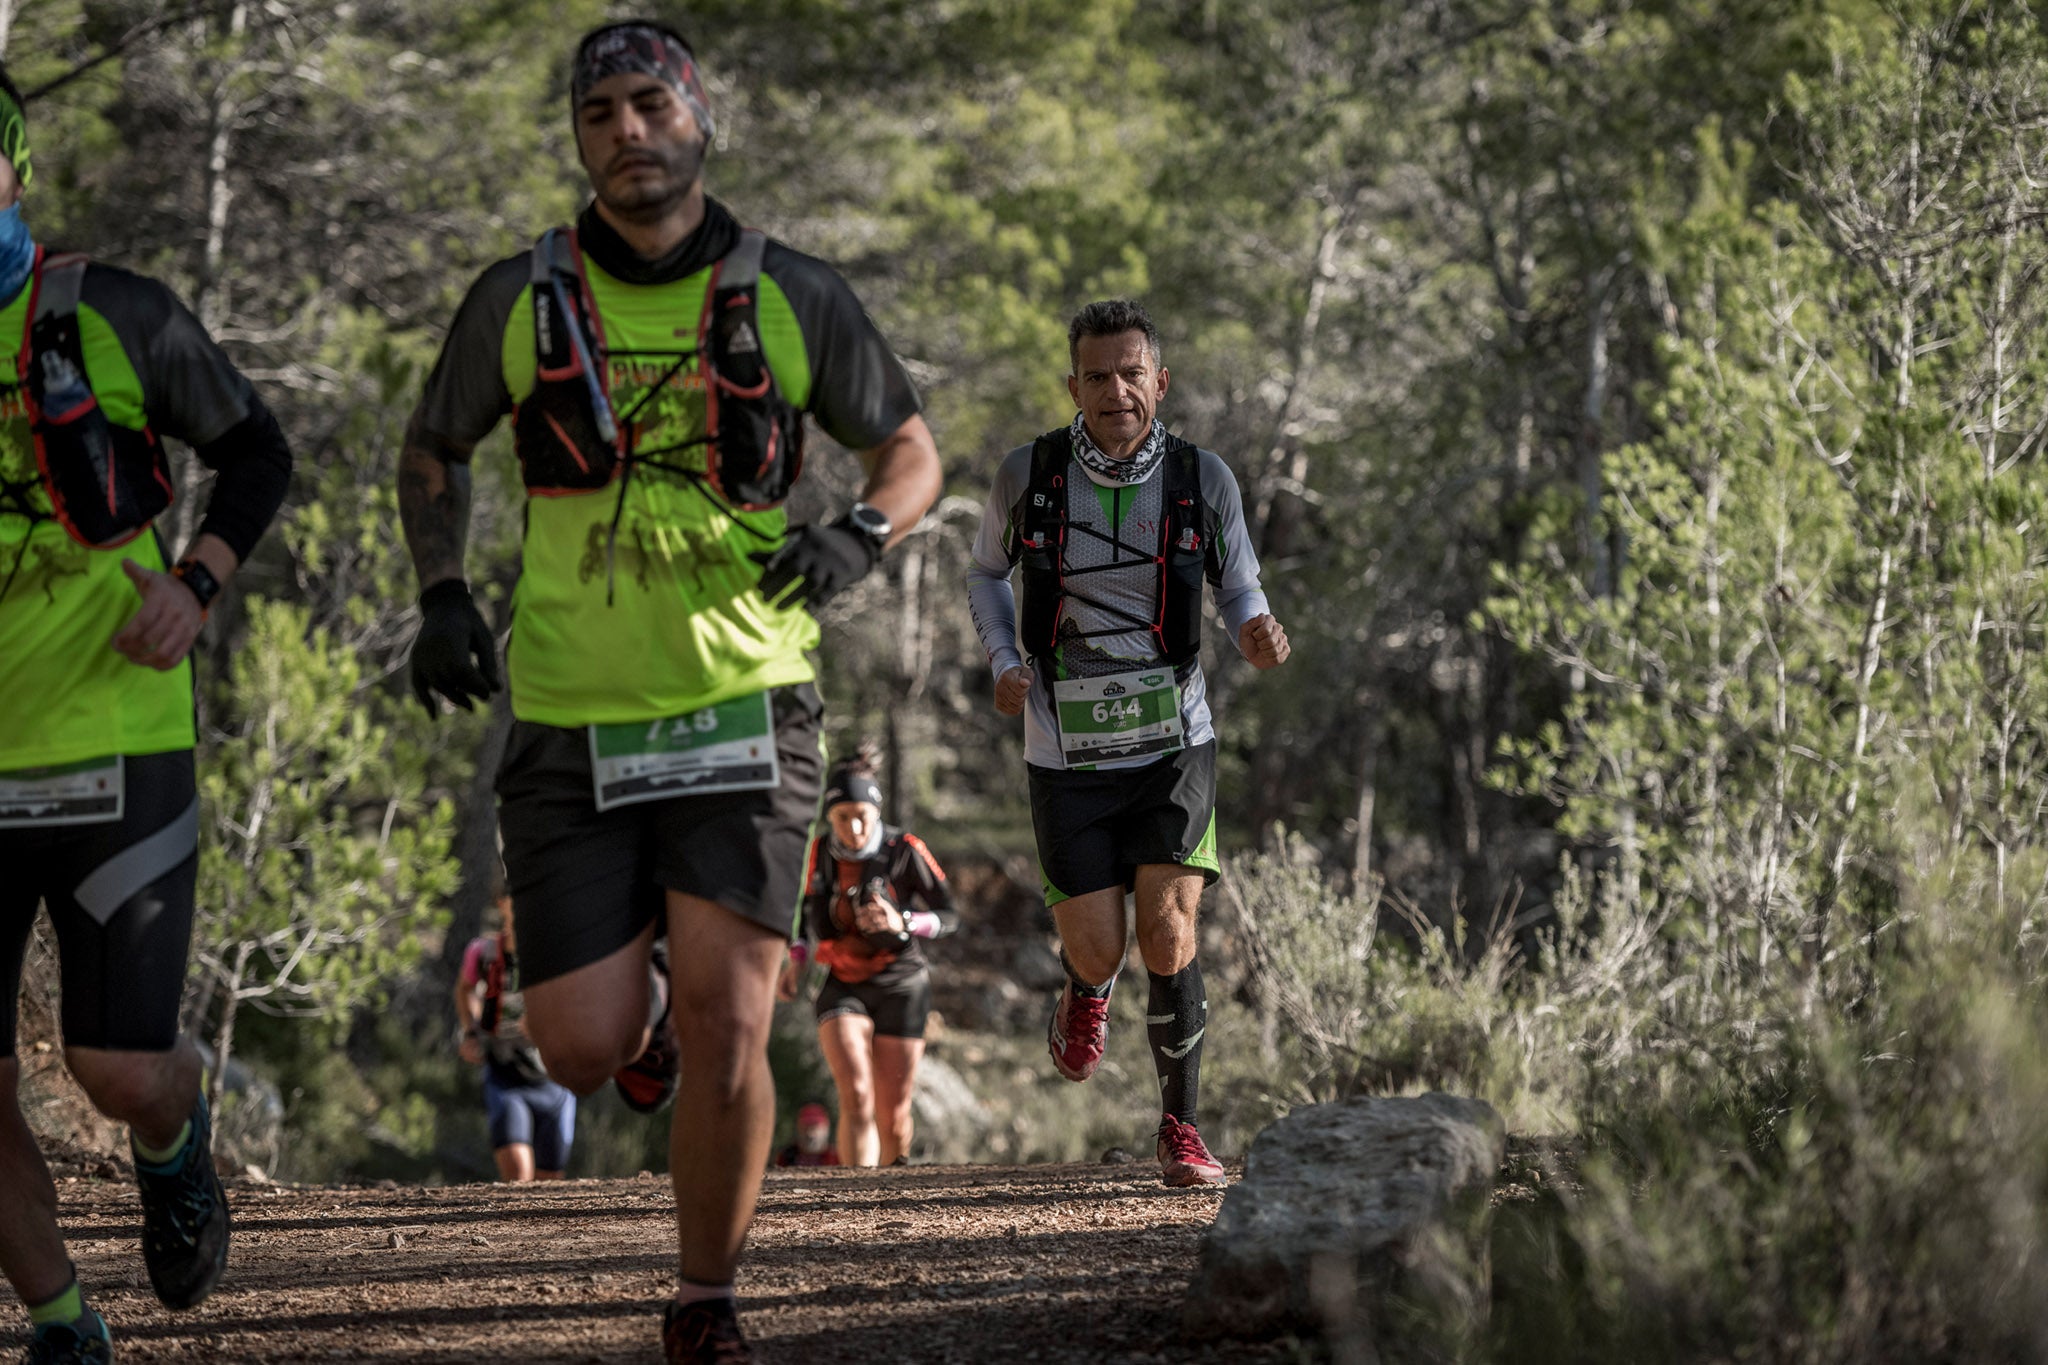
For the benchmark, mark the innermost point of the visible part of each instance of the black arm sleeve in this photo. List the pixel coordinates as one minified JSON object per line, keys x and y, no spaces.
{"x":255,"y":465}
{"x":860,"y":392}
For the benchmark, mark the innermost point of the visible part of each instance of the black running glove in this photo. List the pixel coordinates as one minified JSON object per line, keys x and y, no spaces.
{"x":454,"y":653}
{"x":820,"y":561}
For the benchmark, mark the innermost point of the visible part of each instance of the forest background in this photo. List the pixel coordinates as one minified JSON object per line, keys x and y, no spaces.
{"x":1639,"y":411}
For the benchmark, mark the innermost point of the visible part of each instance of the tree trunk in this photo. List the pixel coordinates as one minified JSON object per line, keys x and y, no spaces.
{"x":1592,"y":443}
{"x":224,"y":1032}
{"x":208,"y":302}
{"x":220,"y":194}
{"x":1275,"y":511}
{"x":1372,"y":734}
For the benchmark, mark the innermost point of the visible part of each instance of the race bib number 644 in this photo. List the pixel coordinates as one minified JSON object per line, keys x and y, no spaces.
{"x":1122,"y":716}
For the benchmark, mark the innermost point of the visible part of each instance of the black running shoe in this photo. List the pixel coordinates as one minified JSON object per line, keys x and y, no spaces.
{"x":704,"y":1333}
{"x":81,"y":1342}
{"x":185,"y":1220}
{"x":649,"y":1081}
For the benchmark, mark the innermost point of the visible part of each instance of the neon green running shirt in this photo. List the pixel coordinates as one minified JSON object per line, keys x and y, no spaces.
{"x":664,"y":617}
{"x":68,"y":695}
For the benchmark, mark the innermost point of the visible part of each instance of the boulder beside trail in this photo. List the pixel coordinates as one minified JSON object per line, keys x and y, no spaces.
{"x":1364,"y":1222}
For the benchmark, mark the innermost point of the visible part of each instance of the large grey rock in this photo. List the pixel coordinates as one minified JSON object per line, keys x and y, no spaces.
{"x":952,"y":1121}
{"x":1363,"y":1221}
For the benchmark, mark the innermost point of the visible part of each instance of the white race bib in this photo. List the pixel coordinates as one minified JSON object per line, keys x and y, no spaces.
{"x":729,"y":747}
{"x":93,"y":792}
{"x":1125,"y":715}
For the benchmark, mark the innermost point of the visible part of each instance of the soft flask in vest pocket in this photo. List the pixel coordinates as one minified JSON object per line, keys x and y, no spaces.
{"x":106,"y":482}
{"x":565,"y":433}
{"x":755,"y":435}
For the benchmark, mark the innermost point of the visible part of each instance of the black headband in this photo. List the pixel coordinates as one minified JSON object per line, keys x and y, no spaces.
{"x":848,"y":785}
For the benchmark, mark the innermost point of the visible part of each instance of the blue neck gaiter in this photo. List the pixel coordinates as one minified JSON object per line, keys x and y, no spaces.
{"x":17,"y":253}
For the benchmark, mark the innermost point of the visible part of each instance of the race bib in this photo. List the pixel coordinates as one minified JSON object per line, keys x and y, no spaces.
{"x":1125,"y":715}
{"x":729,"y":747}
{"x":88,"y":793}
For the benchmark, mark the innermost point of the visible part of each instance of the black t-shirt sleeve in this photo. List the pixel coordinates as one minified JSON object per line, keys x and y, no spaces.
{"x":466,"y":395}
{"x":860,"y":392}
{"x":190,"y":389}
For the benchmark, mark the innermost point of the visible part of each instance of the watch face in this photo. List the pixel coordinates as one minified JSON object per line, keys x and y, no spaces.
{"x":199,"y":579}
{"x":870,"y":520}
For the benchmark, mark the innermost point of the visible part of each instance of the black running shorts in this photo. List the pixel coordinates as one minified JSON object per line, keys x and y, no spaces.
{"x":119,"y":895}
{"x":1096,"y":829}
{"x":899,"y":1007}
{"x":585,"y":882}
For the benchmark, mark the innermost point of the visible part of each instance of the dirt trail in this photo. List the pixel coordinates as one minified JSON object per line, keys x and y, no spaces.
{"x":961,"y":1263}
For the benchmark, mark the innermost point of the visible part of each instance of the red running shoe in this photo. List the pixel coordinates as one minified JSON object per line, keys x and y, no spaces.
{"x":1078,"y":1033}
{"x":1183,"y":1158}
{"x":649,"y":1081}
{"x":704,"y":1333}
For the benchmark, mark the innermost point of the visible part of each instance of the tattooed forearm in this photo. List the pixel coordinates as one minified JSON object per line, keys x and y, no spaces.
{"x":433,"y":503}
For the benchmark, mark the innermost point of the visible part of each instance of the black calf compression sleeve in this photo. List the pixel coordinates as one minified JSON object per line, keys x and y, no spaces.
{"x":1176,"y":1017}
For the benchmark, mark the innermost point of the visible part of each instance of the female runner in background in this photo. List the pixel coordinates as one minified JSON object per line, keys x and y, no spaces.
{"x":872,"y":895}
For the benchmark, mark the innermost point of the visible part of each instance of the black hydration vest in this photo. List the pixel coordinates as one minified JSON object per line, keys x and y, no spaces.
{"x":1187,"y":546}
{"x":106,"y":482}
{"x":570,"y":439}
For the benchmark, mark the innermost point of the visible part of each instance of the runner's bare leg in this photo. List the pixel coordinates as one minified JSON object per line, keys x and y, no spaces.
{"x":723,"y":968}
{"x":1093,"y":933}
{"x":1169,"y":898}
{"x":31,"y":1249}
{"x":515,"y":1162}
{"x":152,"y":1092}
{"x":895,"y":1084}
{"x":590,"y":1022}
{"x":845,"y":1040}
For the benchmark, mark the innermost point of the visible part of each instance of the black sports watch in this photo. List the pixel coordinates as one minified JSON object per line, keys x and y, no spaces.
{"x":870,"y":522}
{"x":199,"y":579}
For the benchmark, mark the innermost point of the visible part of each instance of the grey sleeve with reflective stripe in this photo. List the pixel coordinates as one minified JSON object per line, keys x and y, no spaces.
{"x":1238,"y":595}
{"x":989,"y":596}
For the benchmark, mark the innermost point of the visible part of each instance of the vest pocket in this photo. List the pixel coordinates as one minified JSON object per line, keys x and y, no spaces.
{"x":106,"y":483}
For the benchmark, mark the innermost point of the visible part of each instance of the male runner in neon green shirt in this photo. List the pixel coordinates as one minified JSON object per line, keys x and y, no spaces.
{"x":658,"y":639}
{"x":99,"y":815}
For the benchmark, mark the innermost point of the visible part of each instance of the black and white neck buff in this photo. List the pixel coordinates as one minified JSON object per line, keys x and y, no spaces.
{"x":1113,"y":473}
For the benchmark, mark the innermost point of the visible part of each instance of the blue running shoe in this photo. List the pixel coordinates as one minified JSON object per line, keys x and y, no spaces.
{"x":82,"y":1341}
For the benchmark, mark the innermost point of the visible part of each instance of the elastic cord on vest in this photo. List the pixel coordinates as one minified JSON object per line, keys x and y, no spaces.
{"x":570,"y":440}
{"x":1186,"y":548}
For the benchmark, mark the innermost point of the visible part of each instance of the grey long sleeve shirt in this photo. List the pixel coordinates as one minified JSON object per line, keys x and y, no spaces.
{"x":994,"y":605}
